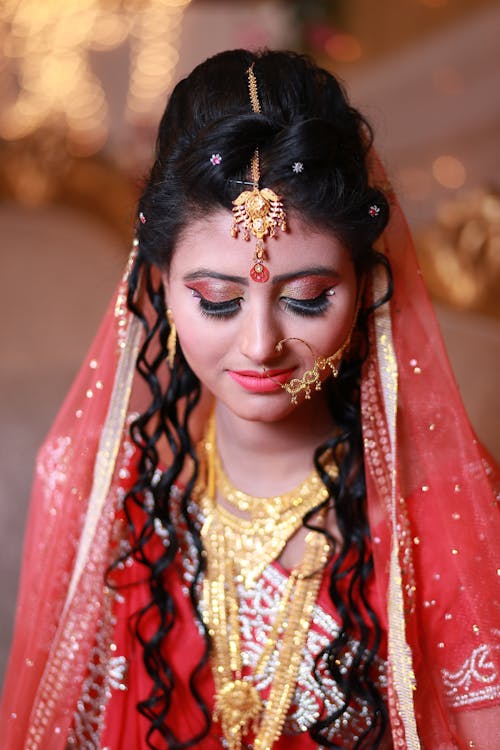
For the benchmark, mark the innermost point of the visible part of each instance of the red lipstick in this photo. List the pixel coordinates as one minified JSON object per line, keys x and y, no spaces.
{"x":259,"y":381}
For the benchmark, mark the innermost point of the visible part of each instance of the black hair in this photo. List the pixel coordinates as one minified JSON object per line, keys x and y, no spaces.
{"x":305,"y":118}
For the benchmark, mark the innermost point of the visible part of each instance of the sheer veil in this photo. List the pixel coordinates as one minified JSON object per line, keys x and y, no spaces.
{"x":433,"y":517}
{"x":431,"y":507}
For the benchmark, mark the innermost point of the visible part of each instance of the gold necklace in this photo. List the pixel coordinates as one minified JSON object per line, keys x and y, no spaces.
{"x":227,"y":541}
{"x":260,"y":539}
{"x":263,"y":507}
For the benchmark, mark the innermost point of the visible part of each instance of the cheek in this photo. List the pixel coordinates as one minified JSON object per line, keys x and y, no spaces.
{"x":336,"y":327}
{"x":204,"y":342}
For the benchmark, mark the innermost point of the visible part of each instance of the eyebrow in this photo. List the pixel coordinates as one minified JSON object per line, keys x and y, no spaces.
{"x":313,"y":271}
{"x":203,"y":273}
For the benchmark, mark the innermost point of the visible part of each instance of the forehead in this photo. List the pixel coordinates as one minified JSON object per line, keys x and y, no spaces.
{"x":207,"y":243}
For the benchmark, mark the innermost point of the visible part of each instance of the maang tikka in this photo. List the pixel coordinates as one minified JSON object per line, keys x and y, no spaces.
{"x":260,"y":211}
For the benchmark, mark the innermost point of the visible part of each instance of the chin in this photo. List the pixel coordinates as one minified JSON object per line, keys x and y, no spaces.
{"x":266,"y":409}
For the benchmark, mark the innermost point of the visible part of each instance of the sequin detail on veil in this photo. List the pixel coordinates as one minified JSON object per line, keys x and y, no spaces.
{"x":476,"y":679}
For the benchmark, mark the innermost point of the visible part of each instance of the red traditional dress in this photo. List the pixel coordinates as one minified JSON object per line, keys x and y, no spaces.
{"x":76,"y":672}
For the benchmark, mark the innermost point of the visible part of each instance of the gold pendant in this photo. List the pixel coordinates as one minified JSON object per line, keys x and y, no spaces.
{"x":237,"y":705}
{"x":261,"y":213}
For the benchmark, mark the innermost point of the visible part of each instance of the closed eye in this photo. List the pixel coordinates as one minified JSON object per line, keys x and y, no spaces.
{"x":314,"y":306}
{"x":224,"y":309}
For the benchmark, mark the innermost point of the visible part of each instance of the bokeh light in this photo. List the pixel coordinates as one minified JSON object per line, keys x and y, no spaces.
{"x":344,"y":48}
{"x":47,"y":50}
{"x":154,"y":42}
{"x":449,"y":172}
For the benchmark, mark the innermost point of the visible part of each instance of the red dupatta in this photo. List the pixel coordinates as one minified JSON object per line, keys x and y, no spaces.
{"x":434,"y":519}
{"x":431,"y":509}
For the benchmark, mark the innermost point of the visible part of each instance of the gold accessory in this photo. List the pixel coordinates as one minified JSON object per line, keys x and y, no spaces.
{"x":260,"y":211}
{"x":273,"y":520}
{"x":229,"y":543}
{"x":172,"y":339}
{"x":312,"y":378}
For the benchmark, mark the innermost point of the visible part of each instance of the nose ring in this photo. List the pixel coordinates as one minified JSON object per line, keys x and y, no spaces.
{"x":311,"y":379}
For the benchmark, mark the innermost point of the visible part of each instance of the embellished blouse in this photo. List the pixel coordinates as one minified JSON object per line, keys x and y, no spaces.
{"x":117,"y":679}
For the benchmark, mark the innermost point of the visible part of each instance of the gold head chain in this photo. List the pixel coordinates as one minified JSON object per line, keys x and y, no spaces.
{"x":260,"y":212}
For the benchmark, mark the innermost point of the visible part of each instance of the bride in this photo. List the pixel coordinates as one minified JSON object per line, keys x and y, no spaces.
{"x":261,"y":518}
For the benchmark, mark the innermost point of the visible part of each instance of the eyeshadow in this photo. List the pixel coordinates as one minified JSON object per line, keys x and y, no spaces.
{"x":307,"y":287}
{"x":216,"y":290}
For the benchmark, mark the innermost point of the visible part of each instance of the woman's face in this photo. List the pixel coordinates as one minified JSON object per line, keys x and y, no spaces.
{"x":228,"y":325}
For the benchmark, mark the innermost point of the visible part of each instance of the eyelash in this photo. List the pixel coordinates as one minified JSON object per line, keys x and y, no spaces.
{"x":219,"y":309}
{"x":308,"y":308}
{"x":315,"y":306}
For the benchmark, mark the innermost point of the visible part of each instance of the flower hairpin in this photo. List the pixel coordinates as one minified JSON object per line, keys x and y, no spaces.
{"x":142,"y":218}
{"x":215,"y":160}
{"x":297,"y":167}
{"x":374,"y":210}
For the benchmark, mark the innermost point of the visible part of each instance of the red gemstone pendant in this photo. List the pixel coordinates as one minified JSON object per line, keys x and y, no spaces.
{"x":259,"y":272}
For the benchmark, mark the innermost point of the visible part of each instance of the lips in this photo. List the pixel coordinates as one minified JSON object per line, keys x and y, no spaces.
{"x":259,"y":381}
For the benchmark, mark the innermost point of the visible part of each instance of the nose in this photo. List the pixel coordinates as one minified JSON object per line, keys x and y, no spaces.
{"x":259,"y":334}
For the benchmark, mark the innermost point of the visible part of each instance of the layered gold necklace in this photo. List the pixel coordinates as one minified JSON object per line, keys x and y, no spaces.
{"x":238,"y":550}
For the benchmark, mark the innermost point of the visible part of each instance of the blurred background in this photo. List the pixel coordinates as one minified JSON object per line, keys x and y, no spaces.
{"x":82,"y":86}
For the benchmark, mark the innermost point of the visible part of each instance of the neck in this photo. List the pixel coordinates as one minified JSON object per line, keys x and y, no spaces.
{"x":266,"y":458}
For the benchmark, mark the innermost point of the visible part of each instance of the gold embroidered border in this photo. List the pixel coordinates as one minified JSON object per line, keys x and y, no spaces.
{"x":400,"y":657}
{"x":108,"y":450}
{"x":51,"y":682}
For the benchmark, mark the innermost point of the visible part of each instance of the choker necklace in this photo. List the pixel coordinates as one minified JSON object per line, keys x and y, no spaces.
{"x":261,"y":538}
{"x":232,"y":546}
